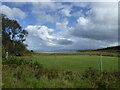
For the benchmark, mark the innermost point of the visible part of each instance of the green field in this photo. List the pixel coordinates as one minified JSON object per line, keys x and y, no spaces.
{"x":77,"y":62}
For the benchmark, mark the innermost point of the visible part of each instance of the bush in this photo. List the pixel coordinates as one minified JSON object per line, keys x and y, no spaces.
{"x":3,"y":52}
{"x":13,"y":60}
{"x":20,"y":61}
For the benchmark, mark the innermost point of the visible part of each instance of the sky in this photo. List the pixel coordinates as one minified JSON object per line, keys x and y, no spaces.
{"x":66,"y":25}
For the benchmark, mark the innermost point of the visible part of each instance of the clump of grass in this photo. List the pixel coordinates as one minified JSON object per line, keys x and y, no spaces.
{"x":97,"y":79}
{"x":25,"y":76}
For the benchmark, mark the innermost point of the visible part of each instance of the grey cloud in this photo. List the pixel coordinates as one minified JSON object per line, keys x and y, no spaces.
{"x":64,"y":42}
{"x":101,"y":24}
{"x":96,"y":34}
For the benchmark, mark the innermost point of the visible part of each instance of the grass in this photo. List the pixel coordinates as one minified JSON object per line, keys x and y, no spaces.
{"x":60,"y":71}
{"x":76,"y":62}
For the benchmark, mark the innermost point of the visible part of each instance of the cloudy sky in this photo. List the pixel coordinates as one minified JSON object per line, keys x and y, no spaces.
{"x":66,"y":25}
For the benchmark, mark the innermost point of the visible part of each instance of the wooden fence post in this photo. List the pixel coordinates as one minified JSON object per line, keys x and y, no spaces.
{"x":6,"y":55}
{"x":101,"y":63}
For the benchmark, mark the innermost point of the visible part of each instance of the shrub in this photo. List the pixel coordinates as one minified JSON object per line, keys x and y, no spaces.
{"x":21,"y":61}
{"x":14,"y":60}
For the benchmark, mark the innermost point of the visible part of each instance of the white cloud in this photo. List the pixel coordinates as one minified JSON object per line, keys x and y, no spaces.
{"x":40,"y":37}
{"x":43,"y":17}
{"x":18,"y":4}
{"x":42,"y":32}
{"x":81,"y":4}
{"x":50,"y":6}
{"x":66,"y":12}
{"x":103,"y":13}
{"x":78,"y":13}
{"x":43,"y":12}
{"x":12,"y":12}
{"x":82,"y":21}
{"x":50,"y":12}
{"x":62,"y":25}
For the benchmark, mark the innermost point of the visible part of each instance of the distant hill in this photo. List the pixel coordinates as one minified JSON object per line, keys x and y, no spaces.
{"x":107,"y":49}
{"x":110,"y":48}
